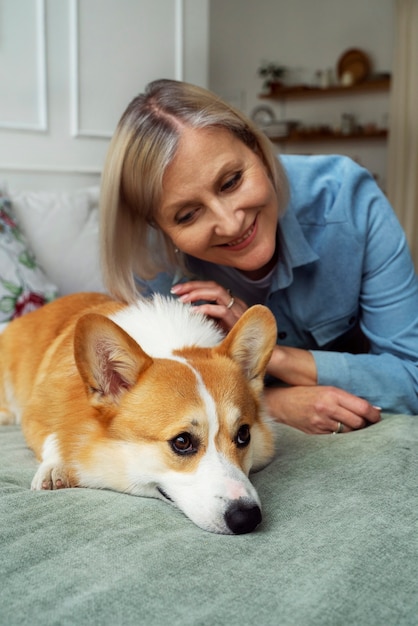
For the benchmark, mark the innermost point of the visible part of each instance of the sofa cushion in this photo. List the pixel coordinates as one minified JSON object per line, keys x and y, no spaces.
{"x":63,"y":229}
{"x":23,"y":284}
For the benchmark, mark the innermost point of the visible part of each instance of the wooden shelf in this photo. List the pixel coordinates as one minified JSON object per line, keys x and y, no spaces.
{"x":304,"y":92}
{"x":321,"y":137}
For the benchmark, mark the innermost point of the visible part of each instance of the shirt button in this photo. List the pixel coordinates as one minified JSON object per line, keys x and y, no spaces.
{"x":282,"y":335}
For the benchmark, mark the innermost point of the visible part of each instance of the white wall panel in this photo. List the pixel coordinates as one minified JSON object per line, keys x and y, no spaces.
{"x":114,"y":57}
{"x":68,"y":69}
{"x":195,"y":24}
{"x":23,"y":101}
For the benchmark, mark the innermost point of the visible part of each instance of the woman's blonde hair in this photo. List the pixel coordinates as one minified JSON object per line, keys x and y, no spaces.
{"x":143,"y":145}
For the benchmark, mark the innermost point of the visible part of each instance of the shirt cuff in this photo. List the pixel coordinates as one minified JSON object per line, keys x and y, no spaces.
{"x":332,"y":369}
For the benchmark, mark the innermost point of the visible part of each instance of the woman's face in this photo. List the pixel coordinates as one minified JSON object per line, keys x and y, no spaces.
{"x":218,"y":202}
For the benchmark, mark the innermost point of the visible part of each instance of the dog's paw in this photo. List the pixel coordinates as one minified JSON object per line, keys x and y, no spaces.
{"x":52,"y":477}
{"x":7,"y":417}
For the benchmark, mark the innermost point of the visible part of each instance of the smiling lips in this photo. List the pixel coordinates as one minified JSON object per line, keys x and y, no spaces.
{"x":244,"y":240}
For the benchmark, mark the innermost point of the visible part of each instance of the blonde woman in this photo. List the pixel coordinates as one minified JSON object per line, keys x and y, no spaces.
{"x":195,"y":203}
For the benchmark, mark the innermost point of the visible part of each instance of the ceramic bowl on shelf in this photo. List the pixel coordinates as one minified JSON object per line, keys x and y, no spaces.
{"x":263,"y":115}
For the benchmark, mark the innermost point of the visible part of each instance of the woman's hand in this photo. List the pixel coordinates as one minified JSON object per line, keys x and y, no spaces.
{"x":320,"y":410}
{"x":220,"y":304}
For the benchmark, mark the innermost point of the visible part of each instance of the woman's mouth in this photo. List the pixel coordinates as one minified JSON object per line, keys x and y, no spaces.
{"x":244,"y":240}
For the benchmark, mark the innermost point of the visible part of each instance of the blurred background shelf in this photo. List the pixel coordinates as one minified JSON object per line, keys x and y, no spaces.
{"x":312,"y":137}
{"x":304,"y":92}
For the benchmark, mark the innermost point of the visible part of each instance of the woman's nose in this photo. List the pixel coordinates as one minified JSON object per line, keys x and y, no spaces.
{"x":228,"y":220}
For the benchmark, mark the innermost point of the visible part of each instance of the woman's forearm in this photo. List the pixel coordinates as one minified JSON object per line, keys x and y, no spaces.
{"x":293,"y":366}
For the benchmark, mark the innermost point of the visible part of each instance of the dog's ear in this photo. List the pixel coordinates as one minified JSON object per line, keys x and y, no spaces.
{"x":251,"y":341}
{"x":108,"y":359}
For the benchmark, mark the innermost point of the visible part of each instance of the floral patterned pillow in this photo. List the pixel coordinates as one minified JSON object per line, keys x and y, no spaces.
{"x":23,"y":285}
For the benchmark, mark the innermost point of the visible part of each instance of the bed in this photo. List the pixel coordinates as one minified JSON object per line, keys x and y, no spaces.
{"x":338,"y":543}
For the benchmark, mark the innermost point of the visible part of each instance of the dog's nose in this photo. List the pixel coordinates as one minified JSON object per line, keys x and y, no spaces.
{"x":242,"y":518}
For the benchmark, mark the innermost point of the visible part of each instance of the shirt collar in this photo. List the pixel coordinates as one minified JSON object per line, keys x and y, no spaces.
{"x":294,"y":250}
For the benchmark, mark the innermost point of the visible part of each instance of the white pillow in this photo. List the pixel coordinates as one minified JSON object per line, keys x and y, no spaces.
{"x":63,"y":230}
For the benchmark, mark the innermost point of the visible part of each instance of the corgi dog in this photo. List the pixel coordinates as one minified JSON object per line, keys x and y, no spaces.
{"x":150,"y":399}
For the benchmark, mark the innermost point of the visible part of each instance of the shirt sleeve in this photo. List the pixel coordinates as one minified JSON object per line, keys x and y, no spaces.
{"x":388,"y":375}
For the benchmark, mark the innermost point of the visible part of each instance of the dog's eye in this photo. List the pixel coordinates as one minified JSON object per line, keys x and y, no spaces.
{"x":184,"y":444}
{"x":243,"y":436}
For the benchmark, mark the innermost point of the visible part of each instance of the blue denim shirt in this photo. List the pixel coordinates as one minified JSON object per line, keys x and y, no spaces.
{"x":344,"y":262}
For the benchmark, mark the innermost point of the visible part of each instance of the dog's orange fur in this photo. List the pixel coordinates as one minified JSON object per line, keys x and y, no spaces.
{"x":69,"y":371}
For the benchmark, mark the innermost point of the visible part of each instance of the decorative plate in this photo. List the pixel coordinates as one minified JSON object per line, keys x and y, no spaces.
{"x":356,"y":63}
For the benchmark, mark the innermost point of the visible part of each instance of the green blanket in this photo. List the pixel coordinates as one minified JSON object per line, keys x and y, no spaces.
{"x":338,"y":544}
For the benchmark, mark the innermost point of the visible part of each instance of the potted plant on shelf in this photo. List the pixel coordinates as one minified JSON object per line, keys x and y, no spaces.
{"x":272,"y":75}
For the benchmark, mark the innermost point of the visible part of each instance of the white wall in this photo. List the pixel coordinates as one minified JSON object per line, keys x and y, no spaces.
{"x":56,"y":117}
{"x":68,"y":69}
{"x":306,"y":36}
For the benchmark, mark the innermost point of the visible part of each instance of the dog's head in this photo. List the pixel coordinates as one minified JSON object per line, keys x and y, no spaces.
{"x":190,"y":427}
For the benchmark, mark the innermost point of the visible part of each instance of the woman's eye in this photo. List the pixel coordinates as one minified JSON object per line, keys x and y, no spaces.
{"x":184,"y":218}
{"x":243,"y":436}
{"x":183,"y":444}
{"x":232,"y":182}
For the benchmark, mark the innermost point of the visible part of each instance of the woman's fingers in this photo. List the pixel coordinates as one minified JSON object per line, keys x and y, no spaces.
{"x":195,"y":290}
{"x":212,"y":300}
{"x":355,"y":412}
{"x":320,"y":410}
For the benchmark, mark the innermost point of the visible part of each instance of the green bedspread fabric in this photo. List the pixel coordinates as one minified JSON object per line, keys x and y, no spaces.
{"x":338,"y":544}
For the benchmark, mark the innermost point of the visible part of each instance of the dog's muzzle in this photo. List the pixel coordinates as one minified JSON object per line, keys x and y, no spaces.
{"x":242,"y":517}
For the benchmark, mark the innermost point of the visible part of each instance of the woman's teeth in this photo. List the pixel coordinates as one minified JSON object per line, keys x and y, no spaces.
{"x":243,"y":238}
